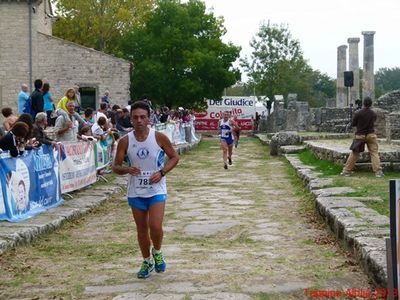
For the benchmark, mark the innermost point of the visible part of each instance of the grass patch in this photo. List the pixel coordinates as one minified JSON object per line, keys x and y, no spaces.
{"x":307,"y":201}
{"x":325,"y":167}
{"x":364,"y":183}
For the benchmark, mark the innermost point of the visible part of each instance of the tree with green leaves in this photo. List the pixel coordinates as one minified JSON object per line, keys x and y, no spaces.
{"x":178,"y":55}
{"x":386,"y":80}
{"x":277,"y":66}
{"x":99,"y":24}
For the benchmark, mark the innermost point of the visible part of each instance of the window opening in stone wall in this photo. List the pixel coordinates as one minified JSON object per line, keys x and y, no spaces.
{"x":88,"y":97}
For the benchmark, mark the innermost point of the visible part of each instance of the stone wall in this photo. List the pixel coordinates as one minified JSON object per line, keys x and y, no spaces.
{"x":380,"y":124}
{"x":60,"y":62}
{"x":14,"y":50}
{"x":390,"y":101}
{"x":299,"y":117}
{"x":43,"y":21}
{"x":393,"y":126}
{"x":64,"y":64}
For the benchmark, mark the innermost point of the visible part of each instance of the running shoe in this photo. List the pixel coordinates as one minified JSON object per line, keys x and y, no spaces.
{"x":345,"y":174}
{"x":379,"y":174}
{"x":159,"y":261}
{"x":230,"y":160}
{"x":145,"y":269}
{"x":225,"y":166}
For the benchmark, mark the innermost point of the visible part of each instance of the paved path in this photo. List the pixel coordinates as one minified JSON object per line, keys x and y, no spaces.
{"x":229,"y":234}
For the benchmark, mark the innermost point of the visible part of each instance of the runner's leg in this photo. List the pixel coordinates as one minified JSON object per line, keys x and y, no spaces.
{"x":156,"y":217}
{"x":141,"y":218}
{"x":224,"y":147}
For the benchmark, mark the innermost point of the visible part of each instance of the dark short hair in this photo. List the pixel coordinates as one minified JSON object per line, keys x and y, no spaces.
{"x":367,"y":102}
{"x":142,"y":105}
{"x":88,"y":112}
{"x":38,"y":83}
{"x":20,"y":129}
{"x":115,"y":107}
{"x":102,"y":121}
{"x":103,"y":105}
{"x":125,"y":110}
{"x":6,"y":111}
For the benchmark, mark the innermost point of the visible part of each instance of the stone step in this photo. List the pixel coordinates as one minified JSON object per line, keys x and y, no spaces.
{"x":292,"y":149}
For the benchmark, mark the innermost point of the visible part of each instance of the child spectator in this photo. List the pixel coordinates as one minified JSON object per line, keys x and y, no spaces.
{"x":10,"y":118}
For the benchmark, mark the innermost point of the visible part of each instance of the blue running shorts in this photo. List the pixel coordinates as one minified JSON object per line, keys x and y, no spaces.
{"x":229,"y":141}
{"x":145,"y":203}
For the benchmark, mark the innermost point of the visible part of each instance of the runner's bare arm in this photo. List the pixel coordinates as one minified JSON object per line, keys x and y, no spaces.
{"x":233,"y":125}
{"x":173,"y":157}
{"x":119,"y":159}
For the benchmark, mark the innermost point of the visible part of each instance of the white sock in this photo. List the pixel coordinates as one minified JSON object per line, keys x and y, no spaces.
{"x":148,"y":259}
{"x":155,"y":251}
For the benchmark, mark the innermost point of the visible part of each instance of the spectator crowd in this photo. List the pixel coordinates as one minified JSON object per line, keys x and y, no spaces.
{"x":41,"y":119}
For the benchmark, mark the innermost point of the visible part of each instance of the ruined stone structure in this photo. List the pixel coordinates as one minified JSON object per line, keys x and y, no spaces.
{"x":355,"y":68}
{"x":300,"y":117}
{"x":368,"y":80}
{"x":368,"y":84}
{"x":29,"y":51}
{"x":341,"y":90}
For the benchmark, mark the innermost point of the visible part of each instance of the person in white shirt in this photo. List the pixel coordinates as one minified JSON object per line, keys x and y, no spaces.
{"x":147,"y":190}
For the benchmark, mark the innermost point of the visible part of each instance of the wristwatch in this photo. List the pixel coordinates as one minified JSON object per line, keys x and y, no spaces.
{"x":162,"y":172}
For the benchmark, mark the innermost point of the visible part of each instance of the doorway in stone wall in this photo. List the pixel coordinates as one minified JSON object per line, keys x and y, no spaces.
{"x":88,"y":97}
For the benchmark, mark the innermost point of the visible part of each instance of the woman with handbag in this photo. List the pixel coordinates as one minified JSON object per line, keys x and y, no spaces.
{"x":364,"y":120}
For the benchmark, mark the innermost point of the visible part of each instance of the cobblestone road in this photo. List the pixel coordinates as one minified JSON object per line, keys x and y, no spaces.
{"x":229,"y":234}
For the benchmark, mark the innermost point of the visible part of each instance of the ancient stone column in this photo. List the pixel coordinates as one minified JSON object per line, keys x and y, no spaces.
{"x":354,"y":67}
{"x":368,"y":81}
{"x":341,"y":96}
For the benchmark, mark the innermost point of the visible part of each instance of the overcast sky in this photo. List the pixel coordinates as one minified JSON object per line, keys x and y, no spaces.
{"x":320,"y":26}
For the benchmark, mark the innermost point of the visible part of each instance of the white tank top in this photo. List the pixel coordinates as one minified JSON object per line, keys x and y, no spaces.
{"x":149,"y":158}
{"x":225,"y":127}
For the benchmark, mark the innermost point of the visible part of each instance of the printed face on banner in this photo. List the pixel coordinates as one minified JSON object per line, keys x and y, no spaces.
{"x":20,"y":184}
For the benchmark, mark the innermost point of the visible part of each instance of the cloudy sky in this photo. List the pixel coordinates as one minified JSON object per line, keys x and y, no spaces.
{"x":320,"y":26}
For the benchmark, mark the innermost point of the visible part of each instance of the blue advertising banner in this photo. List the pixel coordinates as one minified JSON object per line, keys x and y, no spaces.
{"x":29,"y":184}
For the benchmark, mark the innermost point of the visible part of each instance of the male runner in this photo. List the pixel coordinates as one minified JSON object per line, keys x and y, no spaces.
{"x":147,"y":191}
{"x":226,"y":127}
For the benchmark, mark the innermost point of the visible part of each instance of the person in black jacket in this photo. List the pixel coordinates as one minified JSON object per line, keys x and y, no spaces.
{"x":38,"y":130}
{"x":37,"y":98}
{"x":15,"y":140}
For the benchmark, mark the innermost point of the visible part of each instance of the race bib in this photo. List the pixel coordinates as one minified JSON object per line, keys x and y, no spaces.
{"x":142,"y":183}
{"x":224,"y":133}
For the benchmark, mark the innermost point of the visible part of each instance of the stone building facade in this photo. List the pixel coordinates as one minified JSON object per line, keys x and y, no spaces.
{"x":29,"y":51}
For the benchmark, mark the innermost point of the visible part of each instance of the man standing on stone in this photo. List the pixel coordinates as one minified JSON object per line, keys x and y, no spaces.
{"x":22,"y":98}
{"x":364,"y":120}
{"x":37,"y":98}
{"x":147,"y":189}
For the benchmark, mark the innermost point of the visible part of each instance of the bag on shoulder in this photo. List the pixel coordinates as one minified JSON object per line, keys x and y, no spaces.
{"x":28,"y":106}
{"x":358,"y":145}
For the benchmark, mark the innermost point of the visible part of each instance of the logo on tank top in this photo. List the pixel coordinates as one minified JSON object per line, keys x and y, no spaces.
{"x":142,"y":153}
